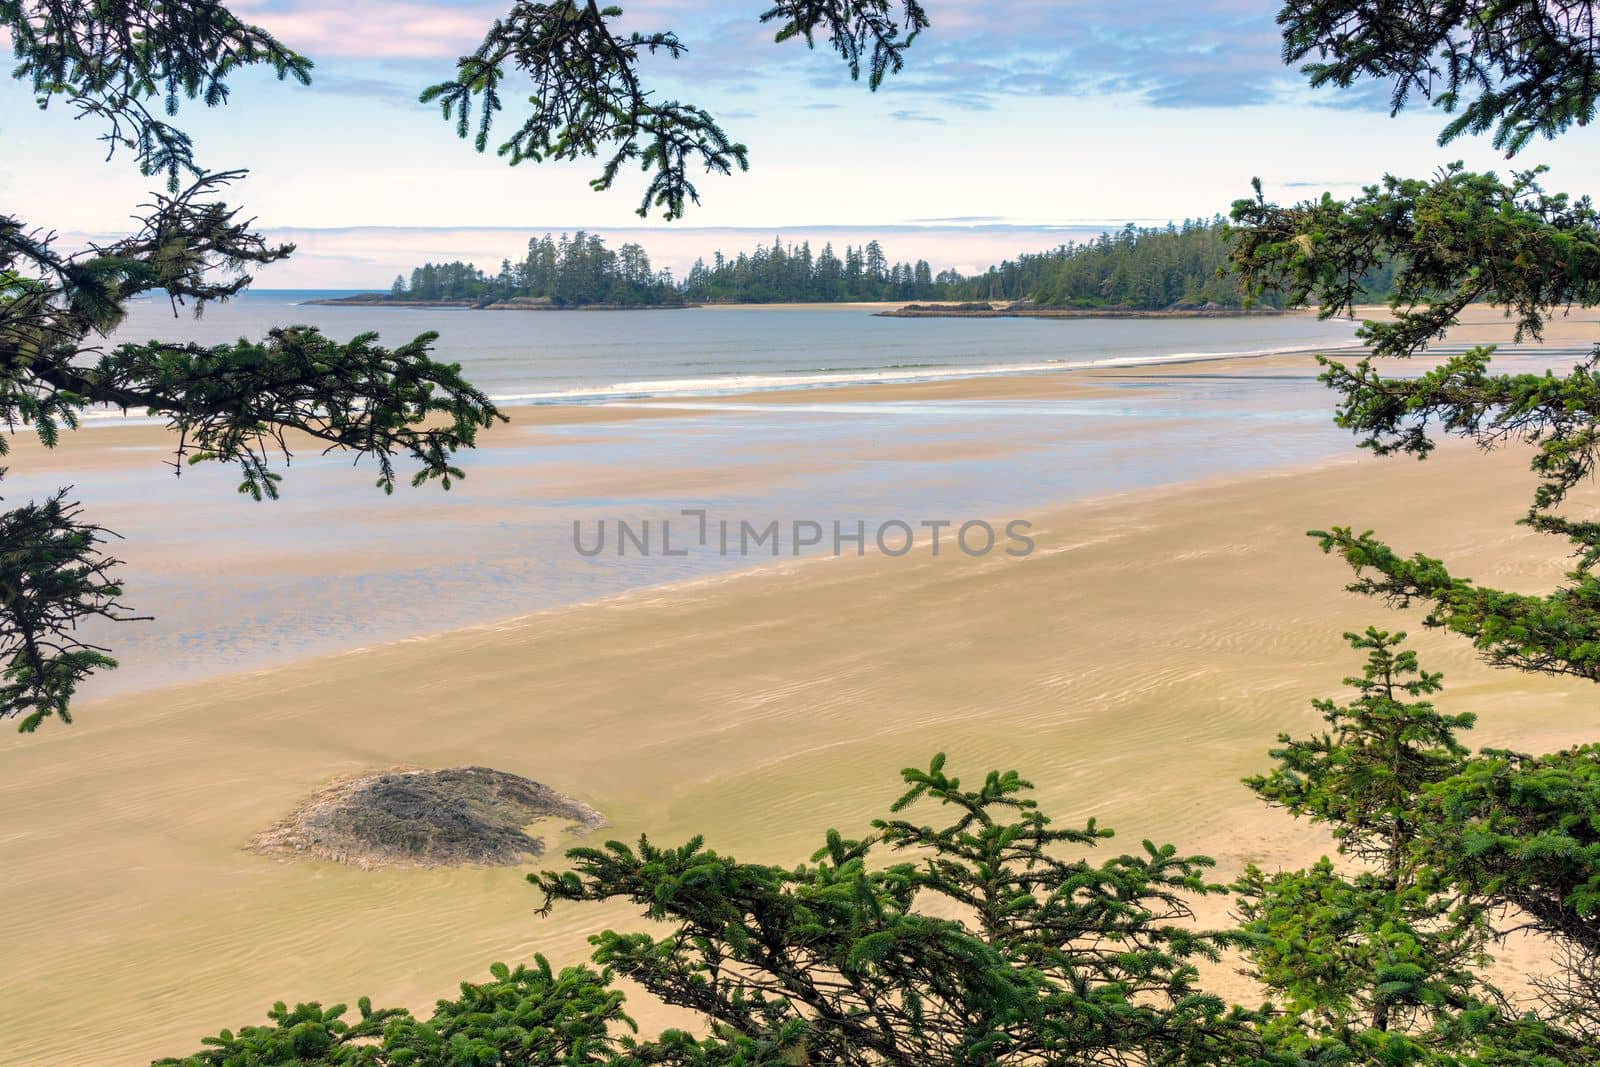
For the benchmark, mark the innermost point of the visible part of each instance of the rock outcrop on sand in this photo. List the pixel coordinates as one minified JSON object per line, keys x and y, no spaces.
{"x":412,"y":817}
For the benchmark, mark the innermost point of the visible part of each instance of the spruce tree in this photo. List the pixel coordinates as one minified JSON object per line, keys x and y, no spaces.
{"x":590,"y":101}
{"x":1375,"y":955}
{"x":1448,"y":241}
{"x":1522,"y":834}
{"x":1509,"y":837}
{"x":241,"y":403}
{"x":975,"y":939}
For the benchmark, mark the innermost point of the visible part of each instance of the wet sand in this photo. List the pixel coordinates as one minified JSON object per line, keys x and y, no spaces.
{"x":1134,"y":667}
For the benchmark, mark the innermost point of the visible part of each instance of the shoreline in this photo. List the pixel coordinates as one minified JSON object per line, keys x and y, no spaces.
{"x":511,"y":454}
{"x":663,"y":392}
{"x":1134,"y":667}
{"x":934,"y":311}
{"x":783,"y":565}
{"x":758,"y":708}
{"x":1480,"y":325}
{"x":492,"y":305}
{"x":807,"y":382}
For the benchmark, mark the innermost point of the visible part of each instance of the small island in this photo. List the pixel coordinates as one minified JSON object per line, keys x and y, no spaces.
{"x":1175,"y":271}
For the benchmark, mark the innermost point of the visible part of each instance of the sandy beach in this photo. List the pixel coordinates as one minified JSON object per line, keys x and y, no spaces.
{"x":1135,"y":666}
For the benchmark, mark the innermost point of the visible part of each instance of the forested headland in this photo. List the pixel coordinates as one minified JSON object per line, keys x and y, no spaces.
{"x":1176,"y":269}
{"x":1176,"y":266}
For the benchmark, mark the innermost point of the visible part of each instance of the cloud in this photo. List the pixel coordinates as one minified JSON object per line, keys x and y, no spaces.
{"x":1206,"y":53}
{"x":373,"y":29}
{"x":909,"y":115}
{"x":398,"y":91}
{"x":1167,"y":54}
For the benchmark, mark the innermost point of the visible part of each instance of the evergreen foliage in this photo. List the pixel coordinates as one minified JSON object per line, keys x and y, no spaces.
{"x":1457,"y":238}
{"x":1058,"y":960}
{"x":131,"y":64}
{"x":581,"y":270}
{"x":237,"y":403}
{"x":1145,"y":269}
{"x":1518,"y":67}
{"x":1364,"y":777}
{"x":110,"y":59}
{"x":1383,"y":958}
{"x":1469,"y":845}
{"x":1151,"y":269}
{"x":879,"y":31}
{"x":530,"y":1015}
{"x":53,"y":576}
{"x":572,"y":271}
{"x":794,"y":274}
{"x":1524,"y":832}
{"x":589,"y":99}
{"x":985,"y":937}
{"x":1379,"y":958}
{"x":846,"y":959}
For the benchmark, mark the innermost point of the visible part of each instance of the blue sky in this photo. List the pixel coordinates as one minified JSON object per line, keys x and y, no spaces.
{"x":1014,"y":125}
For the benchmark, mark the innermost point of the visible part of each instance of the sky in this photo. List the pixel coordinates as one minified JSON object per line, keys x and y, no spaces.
{"x":1014,"y":127}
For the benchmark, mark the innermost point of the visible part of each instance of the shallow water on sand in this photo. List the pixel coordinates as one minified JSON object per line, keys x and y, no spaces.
{"x":335,"y":565}
{"x":1136,"y":667}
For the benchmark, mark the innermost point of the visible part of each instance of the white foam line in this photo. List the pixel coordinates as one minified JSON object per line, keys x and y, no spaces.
{"x":758,"y":383}
{"x":753,"y":383}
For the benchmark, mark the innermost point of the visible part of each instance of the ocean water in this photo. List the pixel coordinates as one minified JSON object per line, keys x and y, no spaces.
{"x":567,"y":356}
{"x":335,"y":565}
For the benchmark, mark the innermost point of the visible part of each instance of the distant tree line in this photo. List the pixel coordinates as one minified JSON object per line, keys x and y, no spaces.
{"x":1134,"y":268}
{"x":1179,"y":265}
{"x":795,"y":273}
{"x":1144,"y":268}
{"x":581,"y":270}
{"x":573,"y":270}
